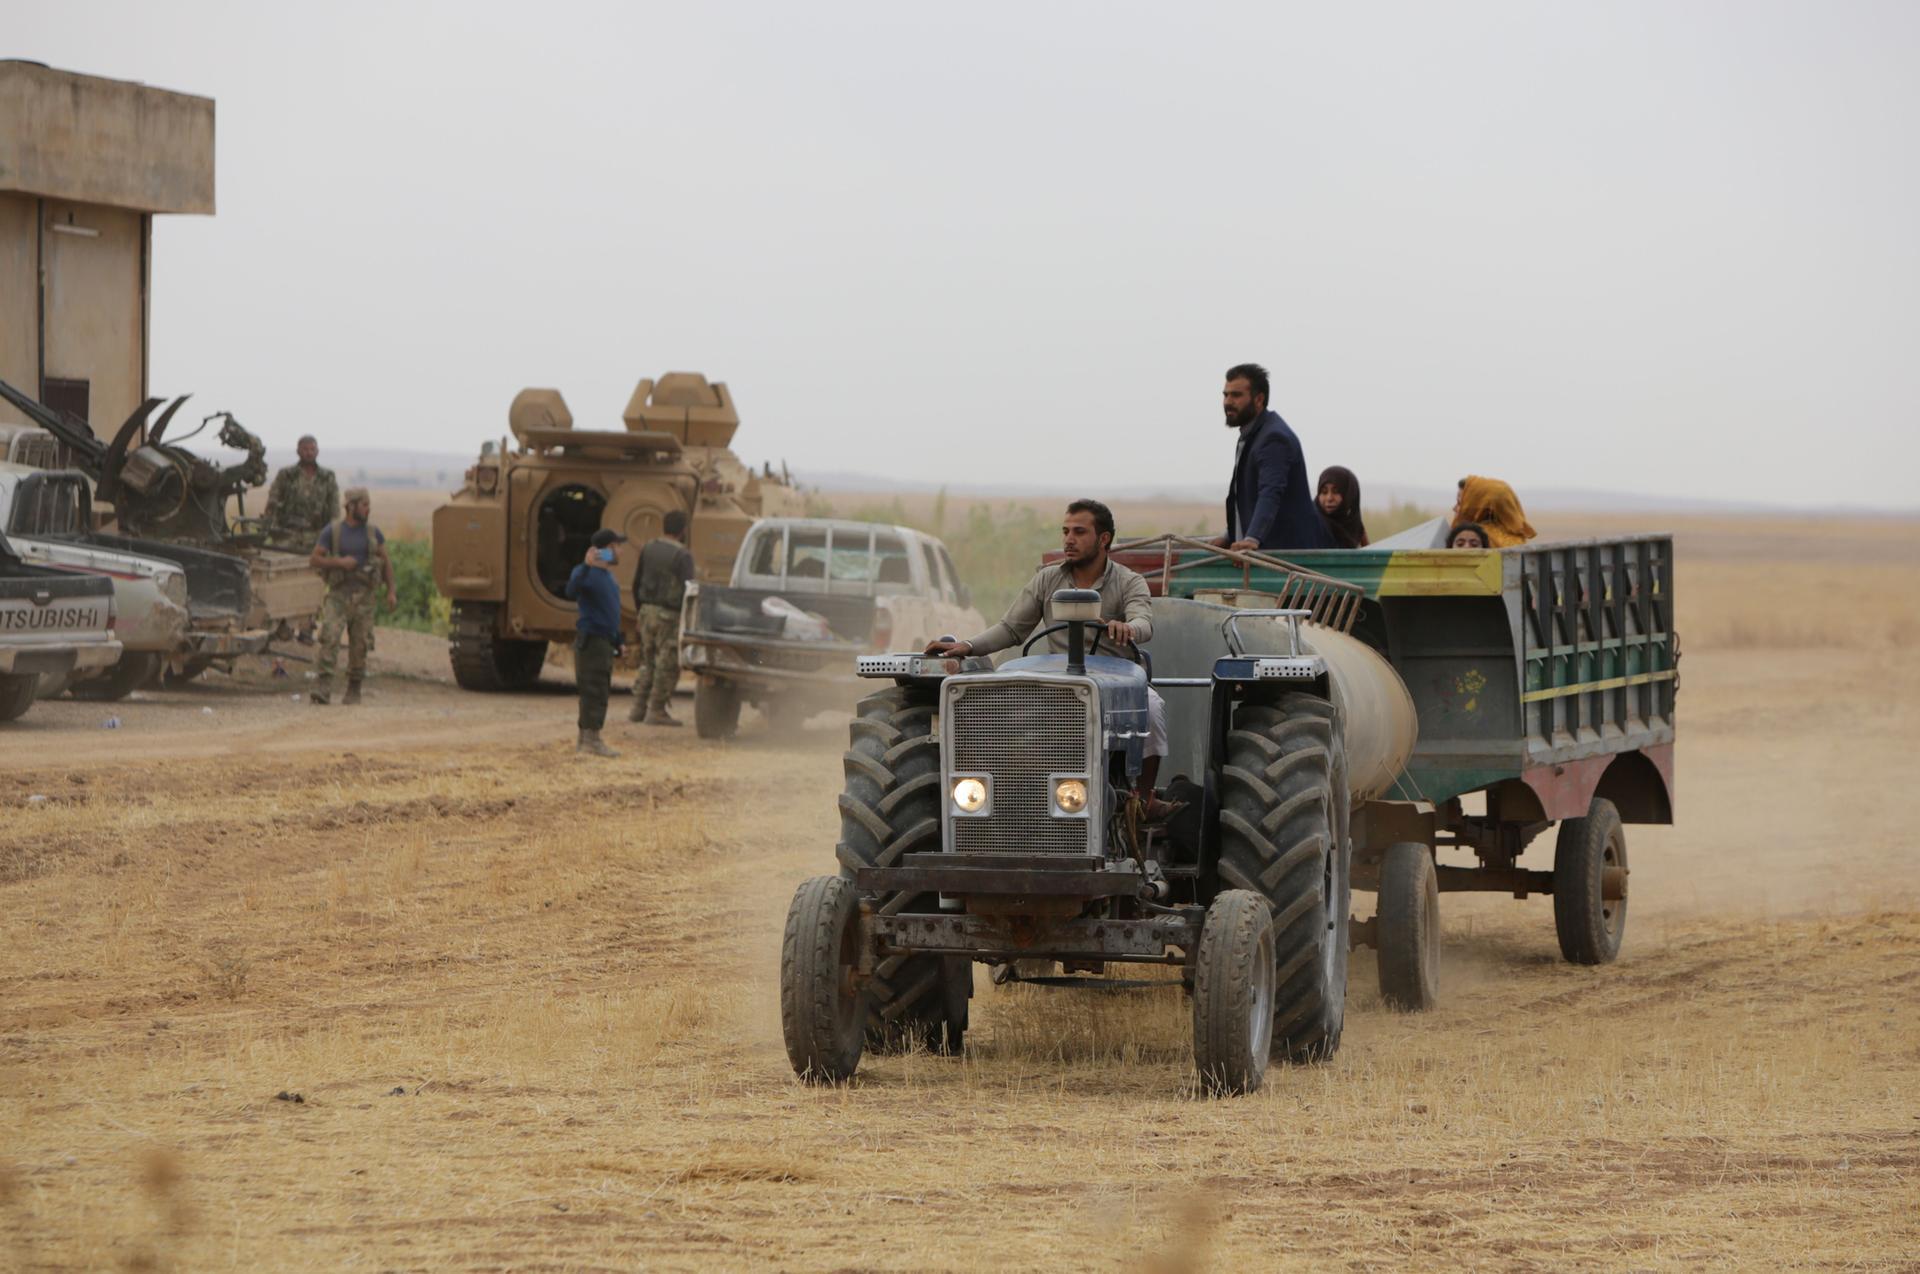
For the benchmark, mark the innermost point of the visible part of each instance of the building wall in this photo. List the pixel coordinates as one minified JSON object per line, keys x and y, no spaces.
{"x":91,"y":318}
{"x":95,"y":311}
{"x":101,"y":141}
{"x":19,"y":299}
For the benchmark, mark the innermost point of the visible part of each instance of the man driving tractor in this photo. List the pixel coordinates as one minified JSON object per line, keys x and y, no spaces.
{"x":1126,"y":606}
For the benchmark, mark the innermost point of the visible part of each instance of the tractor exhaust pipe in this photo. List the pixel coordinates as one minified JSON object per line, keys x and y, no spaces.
{"x":1075,"y":607}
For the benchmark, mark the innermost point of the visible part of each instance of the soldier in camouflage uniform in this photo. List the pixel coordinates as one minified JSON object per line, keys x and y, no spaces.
{"x":352,"y":555}
{"x":659,"y":586}
{"x":304,"y":497}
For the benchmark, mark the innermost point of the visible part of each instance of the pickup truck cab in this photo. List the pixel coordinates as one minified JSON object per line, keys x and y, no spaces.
{"x":808,"y":594}
{"x":47,"y":517}
{"x":52,"y":624}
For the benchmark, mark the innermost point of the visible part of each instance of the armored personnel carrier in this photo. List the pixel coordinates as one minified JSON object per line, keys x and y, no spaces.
{"x":504,"y":544}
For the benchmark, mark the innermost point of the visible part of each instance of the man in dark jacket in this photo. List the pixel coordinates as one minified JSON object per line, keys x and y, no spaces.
{"x":597,"y":637}
{"x":1270,"y":499}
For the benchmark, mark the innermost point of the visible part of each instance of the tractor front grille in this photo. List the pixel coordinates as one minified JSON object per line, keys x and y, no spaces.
{"x":1020,"y":732}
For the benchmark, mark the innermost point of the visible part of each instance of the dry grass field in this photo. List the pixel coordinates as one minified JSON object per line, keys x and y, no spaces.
{"x":410,"y":987}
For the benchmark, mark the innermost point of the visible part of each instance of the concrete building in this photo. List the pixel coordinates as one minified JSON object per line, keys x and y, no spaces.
{"x":85,"y":164}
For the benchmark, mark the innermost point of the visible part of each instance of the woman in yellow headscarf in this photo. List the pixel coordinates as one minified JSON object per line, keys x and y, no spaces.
{"x":1492,"y":504}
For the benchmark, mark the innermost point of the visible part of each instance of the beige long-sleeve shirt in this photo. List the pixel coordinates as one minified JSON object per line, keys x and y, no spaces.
{"x":1123,"y":595}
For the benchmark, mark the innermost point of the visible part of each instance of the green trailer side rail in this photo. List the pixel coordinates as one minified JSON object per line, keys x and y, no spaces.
{"x":1543,"y":675}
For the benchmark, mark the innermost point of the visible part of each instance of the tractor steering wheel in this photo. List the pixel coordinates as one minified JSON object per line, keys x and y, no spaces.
{"x":1099,"y":627}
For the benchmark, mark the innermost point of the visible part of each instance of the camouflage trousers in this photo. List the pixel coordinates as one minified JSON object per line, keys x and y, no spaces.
{"x":659,"y":670}
{"x":593,"y":675}
{"x":349,"y":610}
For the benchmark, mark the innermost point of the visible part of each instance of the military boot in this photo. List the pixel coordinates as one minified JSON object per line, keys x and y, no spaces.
{"x":639,"y":709}
{"x":353,"y":693}
{"x":320,"y":697}
{"x":592,"y":744}
{"x":659,"y":716}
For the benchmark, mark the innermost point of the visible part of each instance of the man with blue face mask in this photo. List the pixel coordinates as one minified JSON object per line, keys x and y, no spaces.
{"x":597,"y":636}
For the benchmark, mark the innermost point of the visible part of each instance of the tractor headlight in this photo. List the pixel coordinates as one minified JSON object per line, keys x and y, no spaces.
{"x":969,"y":795}
{"x":1070,"y":796}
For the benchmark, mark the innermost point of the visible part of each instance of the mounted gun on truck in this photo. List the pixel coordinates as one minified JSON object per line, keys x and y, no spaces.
{"x":168,"y":503}
{"x":1331,"y":714}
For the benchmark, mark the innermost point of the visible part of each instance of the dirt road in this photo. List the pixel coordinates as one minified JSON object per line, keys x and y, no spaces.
{"x":411,"y":987}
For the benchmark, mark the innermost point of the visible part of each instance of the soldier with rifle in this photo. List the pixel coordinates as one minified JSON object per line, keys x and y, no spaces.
{"x":352,"y":556}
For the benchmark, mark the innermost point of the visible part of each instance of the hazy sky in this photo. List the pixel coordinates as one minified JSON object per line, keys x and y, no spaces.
{"x":1671,"y":248}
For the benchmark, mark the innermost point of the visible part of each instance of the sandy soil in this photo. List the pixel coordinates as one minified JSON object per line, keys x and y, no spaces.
{"x":412,"y":987}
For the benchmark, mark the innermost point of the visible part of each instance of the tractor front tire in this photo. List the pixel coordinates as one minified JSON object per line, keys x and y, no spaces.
{"x":1589,"y":862}
{"x":716,"y":709}
{"x":1233,"y":988}
{"x":1283,"y":835}
{"x":890,"y":807}
{"x":482,"y":659}
{"x":822,"y":1014}
{"x":1408,"y":928}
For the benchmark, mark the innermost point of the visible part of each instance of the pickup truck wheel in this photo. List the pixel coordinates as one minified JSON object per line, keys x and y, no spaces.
{"x":1409,"y":928}
{"x":16,"y":696}
{"x":822,"y":1014}
{"x":890,"y":807}
{"x":1283,"y":835}
{"x":484,"y":660}
{"x":1590,"y":863}
{"x":716,"y":709}
{"x":1233,"y":990}
{"x":134,"y":670}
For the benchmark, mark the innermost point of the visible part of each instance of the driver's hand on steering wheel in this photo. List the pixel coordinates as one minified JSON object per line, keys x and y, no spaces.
{"x":938,"y":647}
{"x":1120,"y":632}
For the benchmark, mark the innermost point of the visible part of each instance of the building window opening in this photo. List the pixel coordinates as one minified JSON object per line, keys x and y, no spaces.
{"x":568,"y":517}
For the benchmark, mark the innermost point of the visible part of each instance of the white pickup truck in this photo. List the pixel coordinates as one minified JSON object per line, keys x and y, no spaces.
{"x":46,"y":515}
{"x":52,"y":624}
{"x":807,"y":595}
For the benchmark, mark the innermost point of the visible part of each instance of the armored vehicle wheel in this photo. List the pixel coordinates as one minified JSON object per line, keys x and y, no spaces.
{"x":716,"y":709}
{"x":1408,"y":928}
{"x":1590,"y":885}
{"x":821,"y":1011}
{"x":1233,"y":988}
{"x":16,"y":696}
{"x":132,"y":672}
{"x":1283,"y":835}
{"x":891,"y":806}
{"x":484,"y":660}
{"x":190,"y":669}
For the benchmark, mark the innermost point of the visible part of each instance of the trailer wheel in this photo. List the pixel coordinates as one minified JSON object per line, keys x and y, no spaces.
{"x":1283,"y":835}
{"x":1233,"y":993}
{"x":890,"y":807}
{"x":132,"y":672}
{"x":16,"y":696}
{"x":821,"y":1014}
{"x":484,"y":660}
{"x":1590,"y":885}
{"x":716,"y":709}
{"x":1409,"y":928}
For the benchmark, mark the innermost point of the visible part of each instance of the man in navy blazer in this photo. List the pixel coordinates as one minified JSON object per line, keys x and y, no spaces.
{"x":1270,"y":500}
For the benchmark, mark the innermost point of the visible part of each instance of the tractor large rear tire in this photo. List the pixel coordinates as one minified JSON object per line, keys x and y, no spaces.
{"x":16,"y":696}
{"x":1283,"y":835}
{"x":1588,"y":923}
{"x":890,"y":807}
{"x":135,"y":669}
{"x":716,"y":709}
{"x":1408,"y":928}
{"x":1233,"y":993}
{"x":821,"y":1012}
{"x":484,"y":660}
